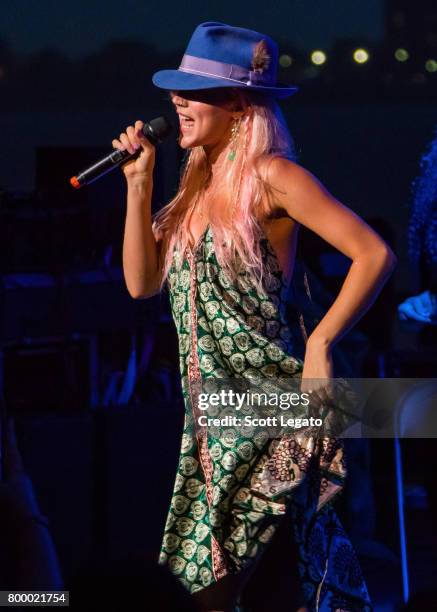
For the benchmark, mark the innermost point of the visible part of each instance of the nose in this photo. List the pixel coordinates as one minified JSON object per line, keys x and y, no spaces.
{"x":178,"y":100}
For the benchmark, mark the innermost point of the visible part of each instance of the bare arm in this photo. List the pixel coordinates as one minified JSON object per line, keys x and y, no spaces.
{"x":309,"y":203}
{"x":140,"y":246}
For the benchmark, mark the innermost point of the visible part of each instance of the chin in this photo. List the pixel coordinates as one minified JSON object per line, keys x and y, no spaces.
{"x":188,"y":143}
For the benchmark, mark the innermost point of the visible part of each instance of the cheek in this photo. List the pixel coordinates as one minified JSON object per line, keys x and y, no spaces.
{"x":212,"y":119}
{"x":215,"y":122}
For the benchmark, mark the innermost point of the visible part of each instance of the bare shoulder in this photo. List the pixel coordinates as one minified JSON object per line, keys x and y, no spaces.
{"x":297,"y":189}
{"x":282,"y":173}
{"x":288,"y":182}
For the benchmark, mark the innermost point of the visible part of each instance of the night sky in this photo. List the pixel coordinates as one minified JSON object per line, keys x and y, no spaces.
{"x":84,"y":26}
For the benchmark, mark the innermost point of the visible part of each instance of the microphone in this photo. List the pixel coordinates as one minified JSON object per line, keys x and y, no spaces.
{"x":155,"y":131}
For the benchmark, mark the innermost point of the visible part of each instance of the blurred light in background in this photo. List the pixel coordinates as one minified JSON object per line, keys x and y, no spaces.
{"x":361,"y":56}
{"x":401,"y":55}
{"x":318,"y":58}
{"x":285,"y":60}
{"x":431,"y":65}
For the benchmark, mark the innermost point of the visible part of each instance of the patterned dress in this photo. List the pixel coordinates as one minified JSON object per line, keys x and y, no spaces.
{"x":234,"y":486}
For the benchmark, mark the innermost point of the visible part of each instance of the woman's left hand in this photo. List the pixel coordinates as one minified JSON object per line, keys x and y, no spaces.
{"x":318,"y":372}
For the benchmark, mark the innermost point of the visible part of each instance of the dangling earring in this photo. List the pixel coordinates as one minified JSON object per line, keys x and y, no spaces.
{"x":242,"y":170}
{"x":234,"y":136}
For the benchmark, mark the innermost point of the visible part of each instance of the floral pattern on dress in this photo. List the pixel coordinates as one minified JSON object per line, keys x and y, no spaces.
{"x":234,"y":486}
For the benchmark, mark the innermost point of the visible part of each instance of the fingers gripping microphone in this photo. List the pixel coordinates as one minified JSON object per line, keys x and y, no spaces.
{"x":155,"y":131}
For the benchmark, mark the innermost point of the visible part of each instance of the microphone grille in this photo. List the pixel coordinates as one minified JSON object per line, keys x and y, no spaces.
{"x":160,"y":128}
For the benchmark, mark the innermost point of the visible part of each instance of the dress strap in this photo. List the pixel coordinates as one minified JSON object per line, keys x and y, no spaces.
{"x":301,"y":317}
{"x":307,"y":291}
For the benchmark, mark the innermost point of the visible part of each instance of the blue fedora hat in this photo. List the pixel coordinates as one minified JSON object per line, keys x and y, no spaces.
{"x":220,"y":55}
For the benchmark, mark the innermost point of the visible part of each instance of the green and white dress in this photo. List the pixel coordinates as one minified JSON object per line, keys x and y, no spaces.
{"x":233,"y":487}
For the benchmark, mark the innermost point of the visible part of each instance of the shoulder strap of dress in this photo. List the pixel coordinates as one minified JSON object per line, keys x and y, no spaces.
{"x":301,"y":318}
{"x":308,"y":292}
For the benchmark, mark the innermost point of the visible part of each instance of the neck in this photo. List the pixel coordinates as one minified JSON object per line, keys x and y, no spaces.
{"x":216,"y":154}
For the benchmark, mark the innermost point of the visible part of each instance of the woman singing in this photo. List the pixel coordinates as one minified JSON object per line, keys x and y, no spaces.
{"x":225,"y":245}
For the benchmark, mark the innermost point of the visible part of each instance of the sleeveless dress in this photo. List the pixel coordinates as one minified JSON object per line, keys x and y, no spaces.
{"x":232,"y":490}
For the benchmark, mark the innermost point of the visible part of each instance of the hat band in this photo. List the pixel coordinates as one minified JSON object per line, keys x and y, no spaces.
{"x":221,"y":70}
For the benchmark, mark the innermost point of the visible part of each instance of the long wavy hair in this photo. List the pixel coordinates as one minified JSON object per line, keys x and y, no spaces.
{"x":422,"y":230}
{"x":237,"y":226}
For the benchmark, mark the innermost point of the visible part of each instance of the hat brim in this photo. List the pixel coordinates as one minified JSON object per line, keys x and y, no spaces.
{"x":179,"y":80}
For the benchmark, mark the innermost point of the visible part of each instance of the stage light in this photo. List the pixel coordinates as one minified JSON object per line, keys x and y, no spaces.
{"x":285,"y":60}
{"x":402,"y":55}
{"x":318,"y":57}
{"x":431,"y":65}
{"x":361,"y":56}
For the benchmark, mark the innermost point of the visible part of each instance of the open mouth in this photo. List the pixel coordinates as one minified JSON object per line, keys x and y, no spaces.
{"x":185,"y":121}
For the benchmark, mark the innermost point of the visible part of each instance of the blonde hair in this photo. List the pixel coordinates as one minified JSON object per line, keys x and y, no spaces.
{"x":237,"y":233}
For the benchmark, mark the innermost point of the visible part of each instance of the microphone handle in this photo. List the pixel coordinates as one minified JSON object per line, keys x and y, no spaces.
{"x":102,"y":167}
{"x":111,"y":161}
